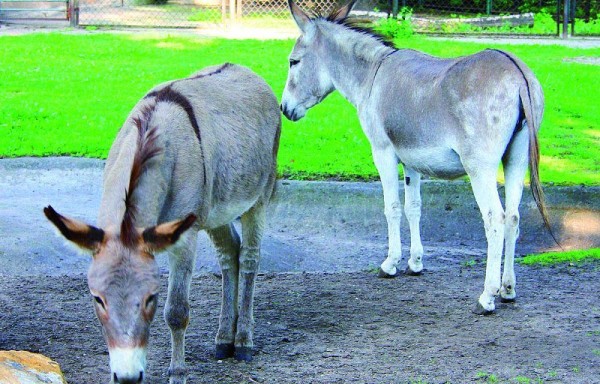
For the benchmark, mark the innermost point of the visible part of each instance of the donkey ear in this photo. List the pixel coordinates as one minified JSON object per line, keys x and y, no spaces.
{"x":344,"y":11}
{"x":300,"y":17}
{"x":159,"y":237}
{"x":83,"y":235}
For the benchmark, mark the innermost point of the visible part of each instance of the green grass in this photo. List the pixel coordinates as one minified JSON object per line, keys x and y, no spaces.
{"x":68,"y":94}
{"x":206,"y":14}
{"x":550,"y":258}
{"x":487,"y":377}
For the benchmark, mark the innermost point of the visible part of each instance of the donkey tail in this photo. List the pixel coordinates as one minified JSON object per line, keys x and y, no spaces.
{"x":275,"y":151}
{"x":532,"y":101}
{"x":534,"y":156}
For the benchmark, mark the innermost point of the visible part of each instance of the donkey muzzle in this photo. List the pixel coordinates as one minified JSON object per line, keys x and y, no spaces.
{"x":291,"y":114}
{"x":127,"y":365}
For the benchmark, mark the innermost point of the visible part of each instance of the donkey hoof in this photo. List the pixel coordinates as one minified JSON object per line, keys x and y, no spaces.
{"x":384,"y":275}
{"x":410,"y":272}
{"x":480,"y":310}
{"x":508,"y":295}
{"x":177,"y":375}
{"x":224,"y":351}
{"x":177,"y":380}
{"x":243,"y":354}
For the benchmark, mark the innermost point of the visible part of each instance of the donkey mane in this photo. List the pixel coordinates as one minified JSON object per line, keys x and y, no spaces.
{"x":146,"y":150}
{"x":364,"y":26}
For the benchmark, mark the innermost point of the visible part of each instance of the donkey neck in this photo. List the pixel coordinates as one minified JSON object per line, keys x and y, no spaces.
{"x":353,"y":59}
{"x":117,"y":173}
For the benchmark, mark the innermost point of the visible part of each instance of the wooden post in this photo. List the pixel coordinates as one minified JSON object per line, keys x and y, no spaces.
{"x":232,"y":11}
{"x":239,"y":10}
{"x":74,"y":13}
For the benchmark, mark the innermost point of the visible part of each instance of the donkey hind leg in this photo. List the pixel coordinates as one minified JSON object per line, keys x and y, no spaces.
{"x":488,"y":200}
{"x":227,"y":243}
{"x":387,"y":165}
{"x":515,"y":167}
{"x":253,"y":223}
{"x":412,"y":210}
{"x":182,"y":259}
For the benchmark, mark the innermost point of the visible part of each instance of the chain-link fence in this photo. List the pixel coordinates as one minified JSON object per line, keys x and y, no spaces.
{"x":541,"y":17}
{"x":191,"y":13}
{"x":154,"y":13}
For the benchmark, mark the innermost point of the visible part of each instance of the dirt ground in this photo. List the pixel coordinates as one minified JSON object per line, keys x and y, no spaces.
{"x":342,"y":328}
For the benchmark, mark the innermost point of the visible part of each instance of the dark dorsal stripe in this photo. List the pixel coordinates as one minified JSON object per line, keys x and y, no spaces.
{"x":215,"y":72}
{"x":170,"y":95}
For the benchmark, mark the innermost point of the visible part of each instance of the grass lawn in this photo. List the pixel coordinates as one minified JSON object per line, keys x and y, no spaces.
{"x":550,"y":258}
{"x":68,"y":94}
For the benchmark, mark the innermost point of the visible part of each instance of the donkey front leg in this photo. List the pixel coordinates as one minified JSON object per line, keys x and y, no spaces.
{"x":253,"y":223}
{"x":182,"y":259}
{"x":387,"y":165}
{"x":412,"y":209}
{"x":227,"y":242}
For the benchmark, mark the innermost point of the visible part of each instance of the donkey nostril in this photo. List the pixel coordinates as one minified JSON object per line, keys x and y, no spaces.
{"x":281,"y":107}
{"x":130,"y":380}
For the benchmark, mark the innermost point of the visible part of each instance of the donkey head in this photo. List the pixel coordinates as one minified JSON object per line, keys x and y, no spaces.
{"x":308,"y":81}
{"x":124,"y":281}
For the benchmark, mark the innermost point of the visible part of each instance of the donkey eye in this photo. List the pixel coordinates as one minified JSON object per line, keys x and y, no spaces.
{"x":293,"y":62}
{"x":99,"y":301}
{"x":152,"y":299}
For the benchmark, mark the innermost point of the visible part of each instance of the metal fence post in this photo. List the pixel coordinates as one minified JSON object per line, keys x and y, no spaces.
{"x":565,"y":32}
{"x":557,"y":18}
{"x":488,"y":7}
{"x":573,"y":13}
{"x":395,"y":8}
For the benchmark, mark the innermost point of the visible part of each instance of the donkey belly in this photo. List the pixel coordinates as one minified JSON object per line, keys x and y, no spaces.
{"x":441,"y":162}
{"x":226,"y":212}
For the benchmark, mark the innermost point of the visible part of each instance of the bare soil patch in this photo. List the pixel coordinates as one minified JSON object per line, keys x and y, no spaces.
{"x":341,"y":328}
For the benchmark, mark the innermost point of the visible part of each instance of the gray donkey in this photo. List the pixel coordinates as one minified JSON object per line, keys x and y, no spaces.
{"x":438,"y":117}
{"x":194,"y":154}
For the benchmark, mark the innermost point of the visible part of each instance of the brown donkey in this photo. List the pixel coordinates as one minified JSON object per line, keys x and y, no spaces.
{"x":194,"y":154}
